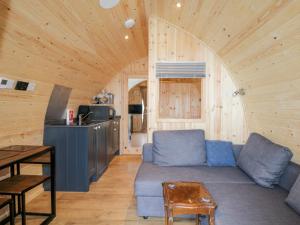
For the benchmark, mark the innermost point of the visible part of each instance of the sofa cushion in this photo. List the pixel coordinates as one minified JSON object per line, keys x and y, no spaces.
{"x":238,"y":204}
{"x":246,"y":204}
{"x":179,"y":148}
{"x":148,"y":181}
{"x":293,"y":198}
{"x":289,"y":176}
{"x":264,"y":160}
{"x":219,"y":153}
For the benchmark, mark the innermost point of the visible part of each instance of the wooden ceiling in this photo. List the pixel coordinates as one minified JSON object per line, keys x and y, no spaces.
{"x":78,"y":44}
{"x":89,"y":39}
{"x":240,"y":31}
{"x":75,"y":34}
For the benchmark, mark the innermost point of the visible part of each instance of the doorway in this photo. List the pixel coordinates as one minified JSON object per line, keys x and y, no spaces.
{"x":137,"y":114}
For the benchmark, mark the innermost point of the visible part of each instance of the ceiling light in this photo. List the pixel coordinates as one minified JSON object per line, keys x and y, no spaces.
{"x":178,"y":5}
{"x":129,"y":23}
{"x":108,"y":4}
{"x":126,"y":37}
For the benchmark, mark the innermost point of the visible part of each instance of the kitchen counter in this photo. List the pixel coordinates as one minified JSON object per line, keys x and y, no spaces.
{"x":82,"y":155}
{"x":75,"y":124}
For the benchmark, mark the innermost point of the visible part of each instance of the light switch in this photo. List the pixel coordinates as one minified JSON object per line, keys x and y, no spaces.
{"x":6,"y":83}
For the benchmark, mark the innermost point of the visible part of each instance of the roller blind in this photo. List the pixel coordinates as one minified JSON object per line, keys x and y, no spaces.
{"x":180,"y":69}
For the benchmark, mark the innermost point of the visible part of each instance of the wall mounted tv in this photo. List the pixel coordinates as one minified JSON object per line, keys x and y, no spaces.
{"x":135,"y":109}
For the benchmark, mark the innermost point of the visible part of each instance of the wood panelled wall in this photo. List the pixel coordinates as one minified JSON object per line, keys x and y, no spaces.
{"x":74,"y":44}
{"x":40,"y":45}
{"x":259,"y":41}
{"x":180,"y":98}
{"x":80,"y":45}
{"x":223,"y":115}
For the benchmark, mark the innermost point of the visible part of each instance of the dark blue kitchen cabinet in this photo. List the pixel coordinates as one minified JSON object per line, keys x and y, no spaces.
{"x":92,"y":153}
{"x":81,"y":154}
{"x":100,"y":135}
{"x":116,"y":136}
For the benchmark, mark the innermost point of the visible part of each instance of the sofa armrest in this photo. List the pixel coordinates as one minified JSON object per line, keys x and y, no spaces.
{"x":147,"y":152}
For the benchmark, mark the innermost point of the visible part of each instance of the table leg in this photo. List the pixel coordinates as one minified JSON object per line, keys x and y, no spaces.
{"x":13,"y":198}
{"x":198,"y":219}
{"x":166,"y":216}
{"x":11,"y":213}
{"x":53,"y":187}
{"x":212,"y":217}
{"x":12,"y":170}
{"x":19,"y":197}
{"x":23,"y":214}
{"x":170,"y":217}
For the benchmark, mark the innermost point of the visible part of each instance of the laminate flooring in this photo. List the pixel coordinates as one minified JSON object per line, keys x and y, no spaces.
{"x":110,"y":200}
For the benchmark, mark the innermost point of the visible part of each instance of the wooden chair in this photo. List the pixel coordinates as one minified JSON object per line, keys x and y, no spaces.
{"x":4,"y":202}
{"x":17,"y":186}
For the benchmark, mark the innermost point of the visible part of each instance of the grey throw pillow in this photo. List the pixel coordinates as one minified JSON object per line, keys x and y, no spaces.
{"x":293,"y":199}
{"x":179,"y":148}
{"x":264,"y":160}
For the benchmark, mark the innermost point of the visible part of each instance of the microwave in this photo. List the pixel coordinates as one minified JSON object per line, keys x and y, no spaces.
{"x":97,"y":112}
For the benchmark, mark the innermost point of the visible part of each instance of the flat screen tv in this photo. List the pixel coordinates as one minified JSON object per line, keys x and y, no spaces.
{"x":135,"y":109}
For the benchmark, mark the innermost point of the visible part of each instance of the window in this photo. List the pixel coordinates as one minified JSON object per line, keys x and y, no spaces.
{"x":180,"y":98}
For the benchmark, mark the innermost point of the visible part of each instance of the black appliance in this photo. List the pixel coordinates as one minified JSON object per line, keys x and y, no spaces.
{"x":97,"y":112}
{"x":135,"y":109}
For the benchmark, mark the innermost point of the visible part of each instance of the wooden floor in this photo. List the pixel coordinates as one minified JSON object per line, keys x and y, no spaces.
{"x":110,"y":200}
{"x":136,"y":143}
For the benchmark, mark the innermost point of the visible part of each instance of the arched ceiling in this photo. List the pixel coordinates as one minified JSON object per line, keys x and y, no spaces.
{"x":239,"y":31}
{"x":77,"y":35}
{"x":72,"y":41}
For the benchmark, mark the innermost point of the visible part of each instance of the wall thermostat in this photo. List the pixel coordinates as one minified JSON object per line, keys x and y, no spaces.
{"x":6,"y":83}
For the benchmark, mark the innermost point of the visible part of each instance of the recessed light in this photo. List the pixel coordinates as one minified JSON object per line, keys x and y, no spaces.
{"x":108,"y":4}
{"x":126,"y":37}
{"x":178,"y":5}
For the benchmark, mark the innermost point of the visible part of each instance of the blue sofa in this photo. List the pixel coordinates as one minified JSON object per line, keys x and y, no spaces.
{"x":240,"y":200}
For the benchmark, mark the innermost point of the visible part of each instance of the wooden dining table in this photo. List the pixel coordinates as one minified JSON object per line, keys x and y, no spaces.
{"x":12,"y":156}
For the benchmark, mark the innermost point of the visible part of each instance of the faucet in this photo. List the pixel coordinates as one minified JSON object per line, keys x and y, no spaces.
{"x":81,"y":117}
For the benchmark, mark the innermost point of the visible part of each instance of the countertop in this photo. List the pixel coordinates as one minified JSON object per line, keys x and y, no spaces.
{"x":75,"y":124}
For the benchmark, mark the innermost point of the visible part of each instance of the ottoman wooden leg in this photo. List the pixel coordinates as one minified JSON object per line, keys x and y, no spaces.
{"x":212,"y":217}
{"x":166,"y":216}
{"x":198,"y":219}
{"x":170,"y":217}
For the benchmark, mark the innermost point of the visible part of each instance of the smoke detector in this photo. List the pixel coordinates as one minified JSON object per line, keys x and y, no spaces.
{"x":129,"y":23}
{"x":108,"y":4}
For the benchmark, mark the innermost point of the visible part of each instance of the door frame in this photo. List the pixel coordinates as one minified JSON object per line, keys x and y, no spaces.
{"x":125,"y":91}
